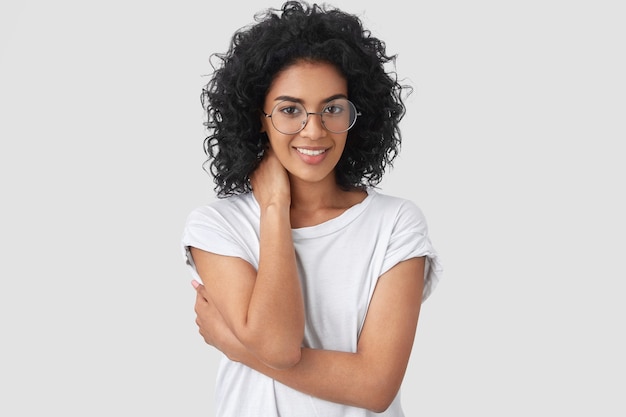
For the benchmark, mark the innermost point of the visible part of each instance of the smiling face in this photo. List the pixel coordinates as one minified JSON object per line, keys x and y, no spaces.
{"x":311,"y":154}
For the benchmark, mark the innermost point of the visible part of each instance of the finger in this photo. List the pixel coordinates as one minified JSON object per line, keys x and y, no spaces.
{"x":200,"y":290}
{"x":199,"y":287}
{"x":201,"y":305}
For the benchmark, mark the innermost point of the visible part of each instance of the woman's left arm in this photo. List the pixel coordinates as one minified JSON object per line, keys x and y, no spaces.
{"x":369,"y":378}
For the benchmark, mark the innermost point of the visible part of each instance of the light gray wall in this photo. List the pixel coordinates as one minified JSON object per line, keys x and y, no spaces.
{"x":513,"y":149}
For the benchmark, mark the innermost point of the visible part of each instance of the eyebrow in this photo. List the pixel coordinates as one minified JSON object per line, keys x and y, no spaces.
{"x":299,"y":100}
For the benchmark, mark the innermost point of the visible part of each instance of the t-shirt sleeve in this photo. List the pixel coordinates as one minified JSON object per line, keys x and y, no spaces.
{"x":410,"y":239}
{"x":207,"y":229}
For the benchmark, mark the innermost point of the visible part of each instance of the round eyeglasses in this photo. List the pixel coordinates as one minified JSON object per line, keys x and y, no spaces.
{"x":290,"y":117}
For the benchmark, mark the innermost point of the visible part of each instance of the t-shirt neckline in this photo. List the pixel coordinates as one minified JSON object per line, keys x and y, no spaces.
{"x":336,"y":223}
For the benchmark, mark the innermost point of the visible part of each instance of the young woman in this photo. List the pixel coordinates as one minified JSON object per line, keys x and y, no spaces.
{"x":312,"y":280}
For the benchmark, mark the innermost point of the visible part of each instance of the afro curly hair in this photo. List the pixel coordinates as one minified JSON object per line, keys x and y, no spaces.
{"x":241,"y":77}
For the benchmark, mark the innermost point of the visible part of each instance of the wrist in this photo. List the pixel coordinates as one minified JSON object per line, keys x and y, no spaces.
{"x":276,"y":207}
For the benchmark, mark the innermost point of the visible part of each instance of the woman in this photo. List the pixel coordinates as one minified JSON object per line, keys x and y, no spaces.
{"x":312,"y":281}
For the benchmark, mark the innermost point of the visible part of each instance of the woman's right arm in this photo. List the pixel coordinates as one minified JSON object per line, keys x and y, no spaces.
{"x":264,"y":309}
{"x":368,"y":378}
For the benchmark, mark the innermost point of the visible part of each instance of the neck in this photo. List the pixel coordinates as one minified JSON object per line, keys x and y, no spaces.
{"x":315,"y":203}
{"x":307,"y":196}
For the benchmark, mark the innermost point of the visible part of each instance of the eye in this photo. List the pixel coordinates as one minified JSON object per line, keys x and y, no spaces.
{"x":334,"y":108}
{"x":290,"y":110}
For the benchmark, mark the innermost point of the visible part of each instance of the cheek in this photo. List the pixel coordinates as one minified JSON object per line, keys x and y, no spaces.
{"x":273,"y":137}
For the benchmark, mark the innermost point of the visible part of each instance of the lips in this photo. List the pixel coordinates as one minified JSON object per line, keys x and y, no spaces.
{"x":311,"y":152}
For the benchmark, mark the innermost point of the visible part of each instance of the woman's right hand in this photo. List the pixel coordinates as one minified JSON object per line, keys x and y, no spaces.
{"x":261,"y":306}
{"x":270,"y":182}
{"x":213,"y":327}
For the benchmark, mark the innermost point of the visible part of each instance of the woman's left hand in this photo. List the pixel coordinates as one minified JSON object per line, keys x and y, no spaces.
{"x":212,"y":326}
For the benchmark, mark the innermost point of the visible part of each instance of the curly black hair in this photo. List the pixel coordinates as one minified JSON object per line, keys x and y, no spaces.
{"x":241,"y":78}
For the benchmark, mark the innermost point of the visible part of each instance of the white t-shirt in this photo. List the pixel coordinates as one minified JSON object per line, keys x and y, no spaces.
{"x":339,"y":262}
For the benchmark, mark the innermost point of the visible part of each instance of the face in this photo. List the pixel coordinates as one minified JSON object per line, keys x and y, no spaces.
{"x":311,"y":154}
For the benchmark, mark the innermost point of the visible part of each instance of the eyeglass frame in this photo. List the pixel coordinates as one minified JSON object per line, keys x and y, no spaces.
{"x":357,"y":113}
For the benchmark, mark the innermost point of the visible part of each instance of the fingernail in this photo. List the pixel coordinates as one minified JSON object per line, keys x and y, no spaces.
{"x":195,"y":283}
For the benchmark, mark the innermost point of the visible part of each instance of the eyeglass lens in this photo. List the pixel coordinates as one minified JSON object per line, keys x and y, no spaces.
{"x":337,"y":116}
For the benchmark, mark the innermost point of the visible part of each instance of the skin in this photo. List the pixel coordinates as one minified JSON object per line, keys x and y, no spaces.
{"x":257,"y":318}
{"x":315,"y":195}
{"x":272,"y":331}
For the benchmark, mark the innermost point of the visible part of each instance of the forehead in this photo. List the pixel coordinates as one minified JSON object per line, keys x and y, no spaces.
{"x":311,"y":82}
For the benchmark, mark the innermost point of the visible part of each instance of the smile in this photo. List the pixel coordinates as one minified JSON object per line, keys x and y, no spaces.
{"x":311,"y":152}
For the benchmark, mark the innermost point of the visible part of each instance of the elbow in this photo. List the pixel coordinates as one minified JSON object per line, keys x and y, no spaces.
{"x":281,"y":358}
{"x":274,"y":352}
{"x":287,"y":360}
{"x":380,"y":396}
{"x":379,"y":406}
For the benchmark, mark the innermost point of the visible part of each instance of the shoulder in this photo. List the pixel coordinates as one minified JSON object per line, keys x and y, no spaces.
{"x":237,"y":203}
{"x":402,"y":210}
{"x":230,"y":210}
{"x":226,"y":226}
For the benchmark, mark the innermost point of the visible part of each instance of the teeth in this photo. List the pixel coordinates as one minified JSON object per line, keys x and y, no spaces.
{"x":311,"y":152}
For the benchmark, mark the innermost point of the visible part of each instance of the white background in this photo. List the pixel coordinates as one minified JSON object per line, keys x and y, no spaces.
{"x":513,"y":148}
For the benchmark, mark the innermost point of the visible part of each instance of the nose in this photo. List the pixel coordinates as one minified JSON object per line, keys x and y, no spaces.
{"x":313,"y":128}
